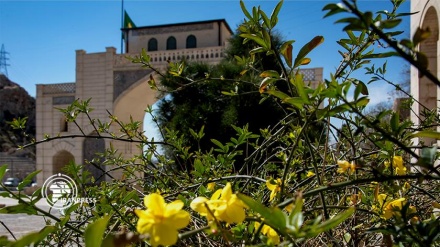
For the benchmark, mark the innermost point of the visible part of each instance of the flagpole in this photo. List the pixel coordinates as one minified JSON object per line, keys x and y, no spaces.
{"x":122,"y":26}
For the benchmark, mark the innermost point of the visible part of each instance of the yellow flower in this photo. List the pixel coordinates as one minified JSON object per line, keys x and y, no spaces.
{"x":274,"y":186}
{"x":345,"y":165}
{"x":161,"y":220}
{"x":223,"y":205}
{"x":389,"y":209}
{"x":271,"y":234}
{"x":289,"y":207}
{"x":310,"y":174}
{"x":398,"y":164}
{"x":211,"y":186}
{"x":393,"y":207}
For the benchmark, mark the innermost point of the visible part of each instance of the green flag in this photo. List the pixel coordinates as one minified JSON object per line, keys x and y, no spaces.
{"x":128,"y":23}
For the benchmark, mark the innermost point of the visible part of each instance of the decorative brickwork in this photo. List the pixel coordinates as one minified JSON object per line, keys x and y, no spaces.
{"x":173,"y":29}
{"x":59,"y":88}
{"x":309,"y":74}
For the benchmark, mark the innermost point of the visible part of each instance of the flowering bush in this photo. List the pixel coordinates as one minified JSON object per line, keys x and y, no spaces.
{"x":372,"y":186}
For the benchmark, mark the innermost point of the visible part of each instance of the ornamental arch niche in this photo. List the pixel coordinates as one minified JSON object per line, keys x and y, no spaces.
{"x":92,"y":147}
{"x":60,"y":160}
{"x":191,"y":42}
{"x":152,"y":44}
{"x":171,"y":43}
{"x":428,"y":94}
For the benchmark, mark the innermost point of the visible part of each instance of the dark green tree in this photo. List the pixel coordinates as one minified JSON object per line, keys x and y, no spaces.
{"x":201,"y":97}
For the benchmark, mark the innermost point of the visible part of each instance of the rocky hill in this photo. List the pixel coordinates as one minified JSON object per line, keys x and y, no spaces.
{"x":15,"y":102}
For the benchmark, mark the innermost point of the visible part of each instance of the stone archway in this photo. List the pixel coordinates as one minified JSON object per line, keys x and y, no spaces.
{"x":60,"y":160}
{"x":92,"y":162}
{"x":132,"y":102}
{"x":428,"y":90}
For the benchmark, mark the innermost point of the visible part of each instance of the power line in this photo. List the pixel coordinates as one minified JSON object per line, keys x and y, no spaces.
{"x":3,"y":61}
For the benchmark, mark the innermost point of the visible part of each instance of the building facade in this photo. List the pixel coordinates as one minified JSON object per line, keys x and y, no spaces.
{"x":119,"y":87}
{"x":422,"y":89}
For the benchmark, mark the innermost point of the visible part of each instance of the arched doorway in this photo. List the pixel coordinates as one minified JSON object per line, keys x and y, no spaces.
{"x":92,"y":161}
{"x":428,"y":90}
{"x":60,"y":160}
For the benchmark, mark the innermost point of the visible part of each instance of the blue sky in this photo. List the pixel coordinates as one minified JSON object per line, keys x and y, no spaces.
{"x":42,"y":36}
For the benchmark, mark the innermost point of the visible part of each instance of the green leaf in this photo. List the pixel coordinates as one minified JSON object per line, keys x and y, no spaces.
{"x":4,"y":241}
{"x":420,"y":35}
{"x":270,"y":73}
{"x":198,"y":166}
{"x":338,"y":109}
{"x":286,"y":51}
{"x":362,"y":102}
{"x":32,"y":239}
{"x":391,"y":23}
{"x":334,"y":9}
{"x":274,"y":15}
{"x":306,"y":49}
{"x":27,"y":180}
{"x":428,"y":156}
{"x":380,"y":55}
{"x":295,"y":101}
{"x":422,"y":60}
{"x":277,"y":94}
{"x":245,"y":12}
{"x":273,"y":217}
{"x":335,"y":221}
{"x":254,"y":37}
{"x":94,"y":232}
{"x":266,"y":81}
{"x":20,"y":208}
{"x":266,"y":21}
{"x":361,"y":88}
{"x":428,"y":134}
{"x":257,"y":50}
{"x":298,"y":82}
{"x":3,"y":169}
{"x":352,"y":37}
{"x":394,"y":122}
{"x":267,"y":39}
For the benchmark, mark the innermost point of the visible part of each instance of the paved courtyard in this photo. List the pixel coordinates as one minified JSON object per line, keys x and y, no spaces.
{"x":21,"y":224}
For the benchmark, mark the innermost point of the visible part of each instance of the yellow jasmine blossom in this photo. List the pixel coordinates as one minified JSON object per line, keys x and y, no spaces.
{"x":274,"y":186}
{"x":310,"y":174}
{"x":271,"y":234}
{"x":223,"y":205}
{"x":161,"y":220}
{"x":398,"y":164}
{"x":289,"y":207}
{"x":211,"y":186}
{"x":389,"y":209}
{"x":345,"y":165}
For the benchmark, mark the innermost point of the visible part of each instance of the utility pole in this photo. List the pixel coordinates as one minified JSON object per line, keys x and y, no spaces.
{"x":4,"y":61}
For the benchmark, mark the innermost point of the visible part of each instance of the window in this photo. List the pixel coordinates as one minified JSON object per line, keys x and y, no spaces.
{"x":191,"y":41}
{"x":152,"y":44}
{"x":171,"y":43}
